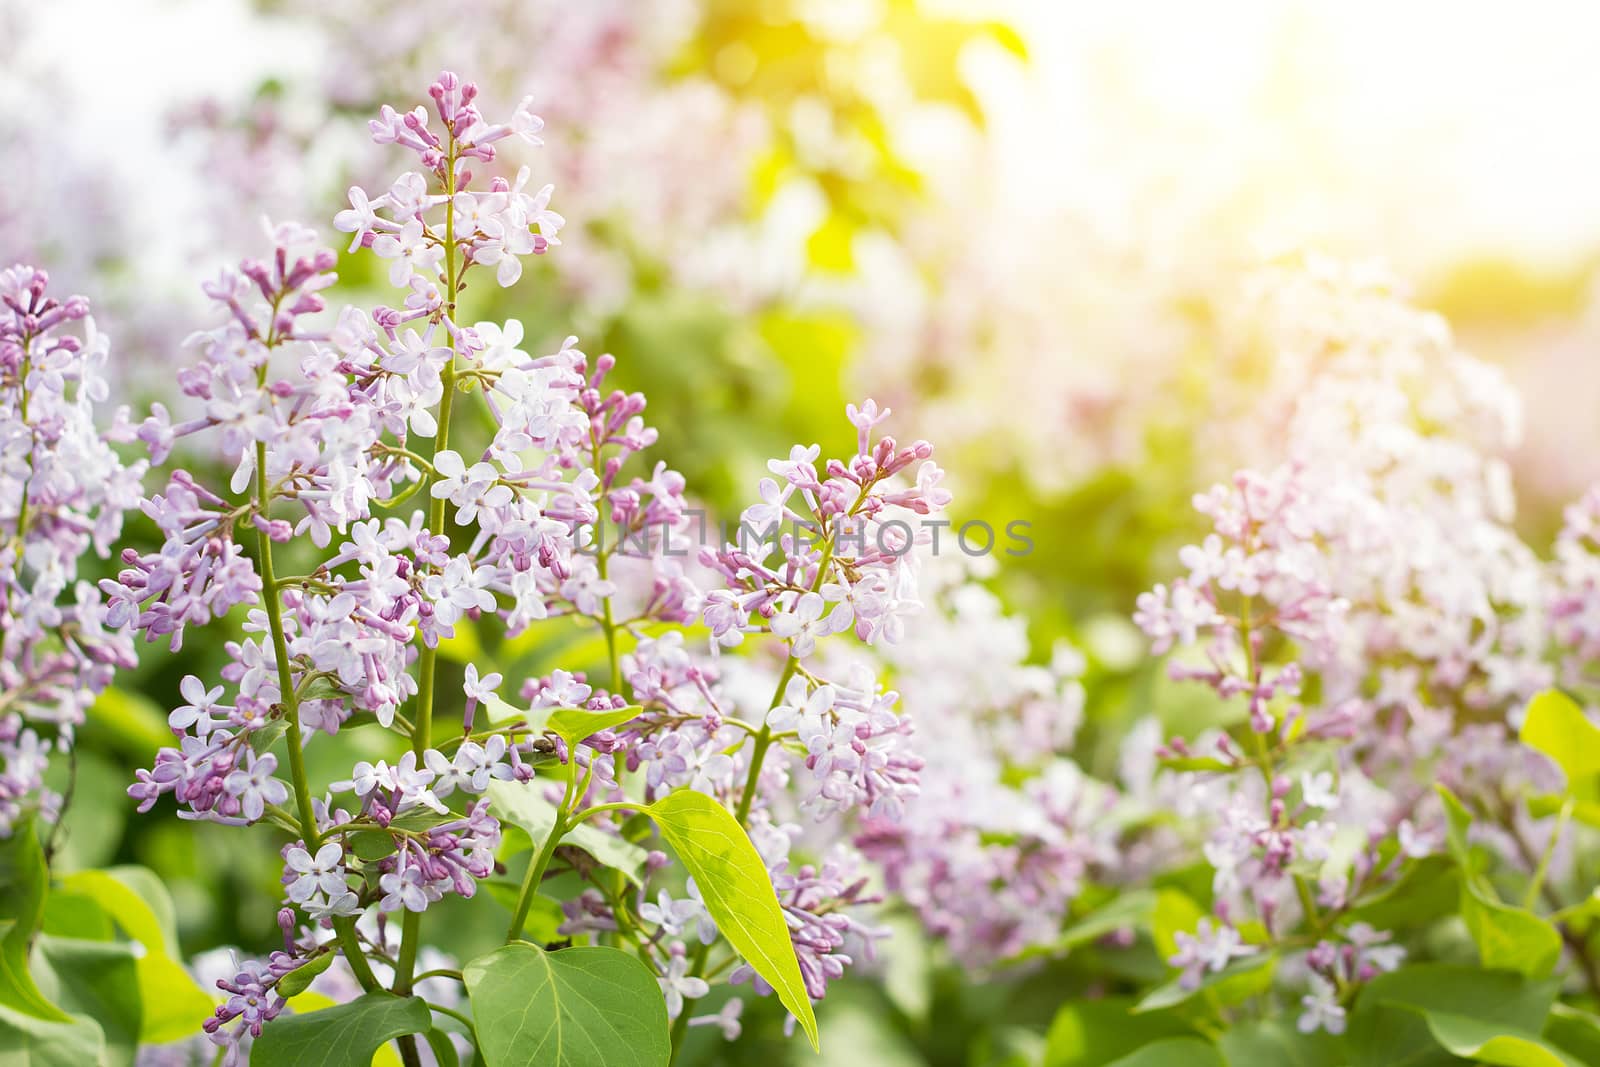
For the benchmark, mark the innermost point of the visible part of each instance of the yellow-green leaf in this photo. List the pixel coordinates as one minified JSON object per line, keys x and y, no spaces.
{"x":734,"y":884}
{"x":1556,"y":726}
{"x":174,"y":1004}
{"x":574,"y":724}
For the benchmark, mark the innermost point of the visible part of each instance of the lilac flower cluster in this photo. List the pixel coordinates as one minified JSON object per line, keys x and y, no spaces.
{"x":330,"y":428}
{"x":63,"y":493}
{"x":1351,"y":605}
{"x":1007,"y":830}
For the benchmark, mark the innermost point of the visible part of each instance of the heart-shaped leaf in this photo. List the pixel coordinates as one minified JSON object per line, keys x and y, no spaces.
{"x":580,"y":1007}
{"x":344,"y":1036}
{"x":737,"y":891}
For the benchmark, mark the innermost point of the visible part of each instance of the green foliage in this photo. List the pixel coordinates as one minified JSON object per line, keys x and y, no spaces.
{"x":574,"y":1008}
{"x":1556,"y":726}
{"x":1279,"y":1043}
{"x":299,"y":980}
{"x":24,"y":883}
{"x":1086,"y":1033}
{"x":1240,"y":980}
{"x":733,"y":883}
{"x":523,"y":804}
{"x":1508,"y":937}
{"x":70,"y":992}
{"x":346,"y":1035}
{"x":575,"y":724}
{"x":1399,"y":1017}
{"x":1173,"y":1052}
{"x":174,"y":1006}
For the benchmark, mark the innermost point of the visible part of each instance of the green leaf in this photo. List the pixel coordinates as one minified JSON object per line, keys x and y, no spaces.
{"x":72,"y":915}
{"x":1280,"y":1044}
{"x":97,"y":980}
{"x":174,"y":1003}
{"x":24,"y":885}
{"x":580,"y":1007}
{"x":499,"y":711}
{"x":373,"y":845}
{"x":1457,"y":821}
{"x":28,"y":1041}
{"x":1574,"y":1032}
{"x":1557,"y":726}
{"x":1487,"y":1042}
{"x":1240,"y":980}
{"x":1508,"y":938}
{"x":523,"y":804}
{"x":1173,"y":1052}
{"x":1387,"y":1027}
{"x":300,"y":979}
{"x":344,"y":1036}
{"x":1088,"y":1033}
{"x":737,"y":891}
{"x":1174,"y":913}
{"x":444,"y":1051}
{"x":574,"y":724}
{"x":1427,"y":890}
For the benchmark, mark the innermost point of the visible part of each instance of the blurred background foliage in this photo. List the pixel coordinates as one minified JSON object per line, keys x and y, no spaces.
{"x":1023,"y":226}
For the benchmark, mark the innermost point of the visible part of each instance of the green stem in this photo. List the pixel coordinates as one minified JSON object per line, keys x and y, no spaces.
{"x":344,"y":925}
{"x":1534,"y":887}
{"x":608,"y":622}
{"x":280,"y":653}
{"x":600,"y":809}
{"x":535,"y":875}
{"x":536,"y":869}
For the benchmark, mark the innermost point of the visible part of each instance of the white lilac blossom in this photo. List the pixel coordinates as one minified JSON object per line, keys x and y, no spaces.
{"x":63,"y":493}
{"x":331,"y":421}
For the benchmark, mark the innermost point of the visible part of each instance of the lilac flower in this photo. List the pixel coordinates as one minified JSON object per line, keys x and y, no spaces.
{"x":677,"y":984}
{"x":323,"y":873}
{"x":1210,"y":948}
{"x":726,"y":1019}
{"x":1322,"y":1008}
{"x":675,"y":917}
{"x":254,"y":785}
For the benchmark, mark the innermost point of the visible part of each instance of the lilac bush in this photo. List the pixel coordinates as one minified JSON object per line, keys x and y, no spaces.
{"x":354,"y":452}
{"x":1349,"y":826}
